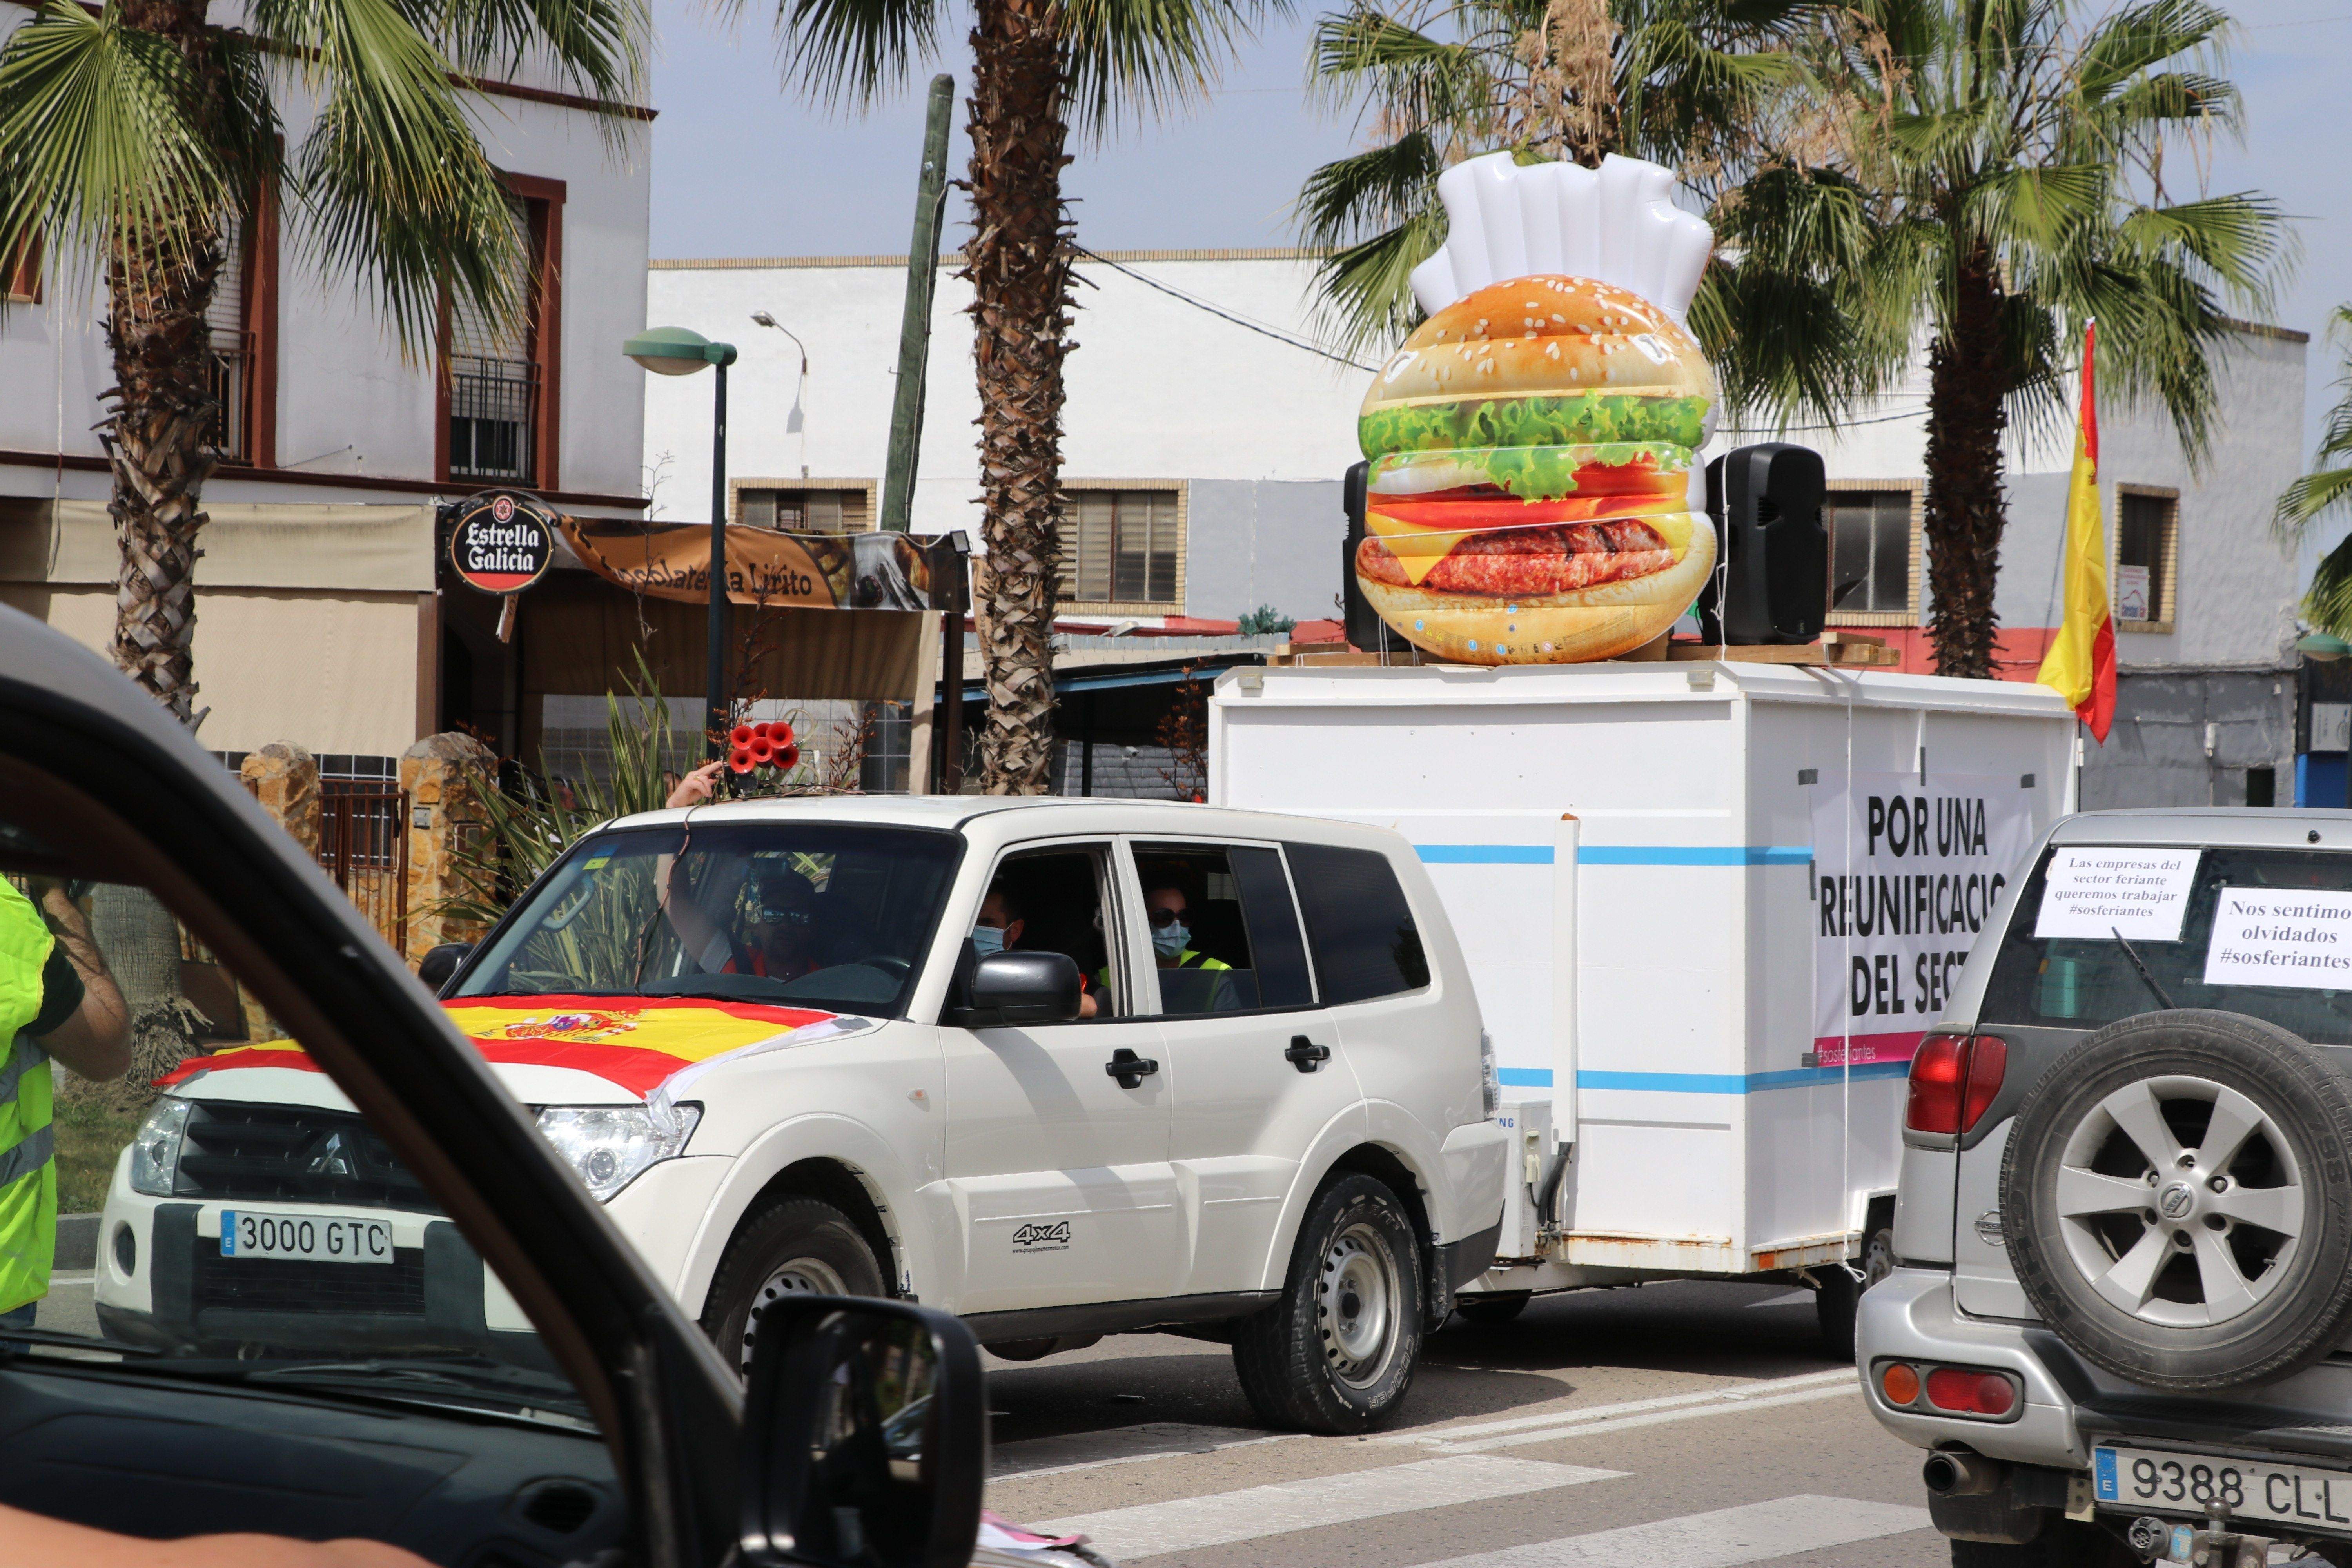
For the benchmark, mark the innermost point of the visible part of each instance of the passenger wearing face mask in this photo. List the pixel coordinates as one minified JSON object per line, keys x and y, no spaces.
{"x":1171,"y":948}
{"x":998,"y":930}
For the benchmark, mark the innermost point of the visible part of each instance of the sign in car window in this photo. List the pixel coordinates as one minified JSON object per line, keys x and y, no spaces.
{"x":2101,"y":892}
{"x":1906,"y":876}
{"x":2281,"y":936}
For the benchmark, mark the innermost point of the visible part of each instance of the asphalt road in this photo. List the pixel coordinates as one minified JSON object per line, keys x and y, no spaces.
{"x":1685,"y":1425}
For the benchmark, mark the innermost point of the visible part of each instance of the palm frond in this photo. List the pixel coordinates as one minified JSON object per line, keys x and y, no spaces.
{"x":1131,"y":60}
{"x":2328,"y":603}
{"x":852,"y":51}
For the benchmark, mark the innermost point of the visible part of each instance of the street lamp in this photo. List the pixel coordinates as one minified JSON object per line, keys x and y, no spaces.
{"x":794,"y":423}
{"x":676,"y":351}
{"x":2324,"y":646}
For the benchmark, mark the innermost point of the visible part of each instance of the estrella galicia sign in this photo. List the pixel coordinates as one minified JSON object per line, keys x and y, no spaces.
{"x":1034,"y":1237}
{"x":502,"y":542}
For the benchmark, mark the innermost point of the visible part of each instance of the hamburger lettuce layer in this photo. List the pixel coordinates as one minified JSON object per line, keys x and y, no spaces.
{"x":1572,"y":419}
{"x":1538,"y":473}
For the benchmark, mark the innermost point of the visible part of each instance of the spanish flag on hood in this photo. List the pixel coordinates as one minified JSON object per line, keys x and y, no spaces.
{"x":2081,"y":663}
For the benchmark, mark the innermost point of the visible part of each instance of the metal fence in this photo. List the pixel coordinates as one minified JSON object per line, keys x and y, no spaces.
{"x":363,"y":844}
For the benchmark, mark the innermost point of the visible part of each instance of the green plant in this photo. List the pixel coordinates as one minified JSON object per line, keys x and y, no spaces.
{"x":2326,"y":492}
{"x":137,"y":136}
{"x":1265,"y":621}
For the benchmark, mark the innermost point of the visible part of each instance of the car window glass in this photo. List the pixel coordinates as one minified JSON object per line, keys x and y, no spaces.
{"x":826,"y":916}
{"x":1199,"y":935}
{"x":1359,"y":926}
{"x":1057,"y":899}
{"x":252,"y":1225}
{"x":2084,"y":982}
{"x":1274,"y":941}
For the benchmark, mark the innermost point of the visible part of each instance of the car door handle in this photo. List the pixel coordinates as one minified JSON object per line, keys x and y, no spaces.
{"x":1306,"y":1054}
{"x":1129,"y":1068}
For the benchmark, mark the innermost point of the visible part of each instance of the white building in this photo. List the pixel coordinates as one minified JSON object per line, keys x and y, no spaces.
{"x":323,"y":617}
{"x":1203,"y":460}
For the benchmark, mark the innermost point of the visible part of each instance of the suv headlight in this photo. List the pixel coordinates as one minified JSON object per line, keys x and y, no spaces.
{"x":155,"y":1151}
{"x":611,"y":1145}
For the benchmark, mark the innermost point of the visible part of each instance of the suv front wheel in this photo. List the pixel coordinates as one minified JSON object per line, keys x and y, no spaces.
{"x":797,"y":1245}
{"x":1338,"y":1351}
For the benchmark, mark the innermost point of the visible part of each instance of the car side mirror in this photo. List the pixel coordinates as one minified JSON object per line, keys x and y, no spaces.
{"x":1009,"y":988}
{"x":436,"y":968}
{"x":864,"y":1436}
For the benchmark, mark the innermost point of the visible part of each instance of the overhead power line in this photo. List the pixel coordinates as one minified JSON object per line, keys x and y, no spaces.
{"x":1223,"y":314}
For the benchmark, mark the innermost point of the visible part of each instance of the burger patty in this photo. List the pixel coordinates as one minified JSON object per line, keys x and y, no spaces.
{"x":1530,"y":561}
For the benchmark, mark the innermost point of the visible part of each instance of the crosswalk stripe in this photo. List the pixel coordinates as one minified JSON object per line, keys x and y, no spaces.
{"x":1148,"y":1530}
{"x":1121,"y":1446}
{"x":1735,"y":1395}
{"x":1722,"y":1539}
{"x":1626,"y":1423}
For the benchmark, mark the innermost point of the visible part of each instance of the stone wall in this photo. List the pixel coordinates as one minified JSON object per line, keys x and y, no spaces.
{"x":442,"y":774}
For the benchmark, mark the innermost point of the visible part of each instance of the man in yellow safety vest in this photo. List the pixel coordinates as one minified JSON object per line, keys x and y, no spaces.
{"x":58,"y":1001}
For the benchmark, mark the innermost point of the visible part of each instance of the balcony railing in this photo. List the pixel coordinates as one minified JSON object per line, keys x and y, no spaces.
{"x":493,"y":419}
{"x":226,"y":372}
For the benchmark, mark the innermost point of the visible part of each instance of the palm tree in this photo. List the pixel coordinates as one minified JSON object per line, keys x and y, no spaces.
{"x":2010,"y":179}
{"x":133,"y":136}
{"x":2326,"y":492}
{"x":1689,"y":83}
{"x":1040,"y":67}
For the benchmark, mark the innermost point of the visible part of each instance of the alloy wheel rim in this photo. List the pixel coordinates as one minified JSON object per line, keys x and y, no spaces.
{"x":800,"y":1276}
{"x":1356,"y":1298}
{"x":2180,"y":1201}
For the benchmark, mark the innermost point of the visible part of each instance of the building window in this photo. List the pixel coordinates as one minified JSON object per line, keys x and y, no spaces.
{"x":2148,"y":548}
{"x":20,"y":273}
{"x":811,"y":507}
{"x":499,"y":380}
{"x":241,"y":329}
{"x":1873,"y":555}
{"x":1122,"y":546}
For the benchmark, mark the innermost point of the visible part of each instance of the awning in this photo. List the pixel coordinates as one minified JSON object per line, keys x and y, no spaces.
{"x":245,"y":544}
{"x":1129,"y":677}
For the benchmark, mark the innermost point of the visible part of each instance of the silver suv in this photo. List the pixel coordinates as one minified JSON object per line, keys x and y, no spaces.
{"x":2119,"y":1318}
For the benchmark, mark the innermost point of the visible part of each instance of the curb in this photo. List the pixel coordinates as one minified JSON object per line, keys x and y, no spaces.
{"x":77,"y":1242}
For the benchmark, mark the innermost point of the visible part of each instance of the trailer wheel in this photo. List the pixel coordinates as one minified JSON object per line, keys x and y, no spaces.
{"x":1338,"y":1351}
{"x":1498,"y":1307}
{"x":1840,"y":1293}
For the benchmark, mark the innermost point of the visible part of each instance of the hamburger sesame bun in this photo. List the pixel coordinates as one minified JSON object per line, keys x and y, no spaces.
{"x":1595,"y":623}
{"x":1545,"y":335}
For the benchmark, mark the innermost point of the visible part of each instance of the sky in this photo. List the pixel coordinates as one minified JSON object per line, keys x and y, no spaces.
{"x":740,"y":167}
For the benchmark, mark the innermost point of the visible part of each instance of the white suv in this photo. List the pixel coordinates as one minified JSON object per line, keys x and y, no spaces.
{"x":2121,"y":1317}
{"x":1226,"y":1079}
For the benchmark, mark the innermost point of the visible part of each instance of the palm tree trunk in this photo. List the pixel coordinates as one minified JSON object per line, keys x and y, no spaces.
{"x":160,"y":412}
{"x":1018,"y":260}
{"x":1966,"y":504}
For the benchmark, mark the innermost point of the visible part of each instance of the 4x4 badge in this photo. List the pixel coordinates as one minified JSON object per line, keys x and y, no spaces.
{"x":1033,"y":1237}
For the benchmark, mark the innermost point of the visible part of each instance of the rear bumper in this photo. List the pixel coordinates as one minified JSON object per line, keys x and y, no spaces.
{"x":1910,"y":1315}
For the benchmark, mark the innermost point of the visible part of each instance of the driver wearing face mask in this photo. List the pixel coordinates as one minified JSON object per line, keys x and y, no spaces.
{"x":998,"y":930}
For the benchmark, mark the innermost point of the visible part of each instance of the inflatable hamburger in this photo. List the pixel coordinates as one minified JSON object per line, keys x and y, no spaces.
{"x":1530,"y":451}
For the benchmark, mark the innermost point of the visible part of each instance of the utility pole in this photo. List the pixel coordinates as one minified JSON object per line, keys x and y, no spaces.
{"x":915,"y":325}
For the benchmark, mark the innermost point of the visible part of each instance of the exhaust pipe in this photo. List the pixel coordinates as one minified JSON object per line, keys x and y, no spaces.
{"x":1957,"y":1473}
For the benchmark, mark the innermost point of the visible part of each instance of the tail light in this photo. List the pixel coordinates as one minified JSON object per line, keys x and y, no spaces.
{"x":1978,"y":1393}
{"x":1955,"y":1078}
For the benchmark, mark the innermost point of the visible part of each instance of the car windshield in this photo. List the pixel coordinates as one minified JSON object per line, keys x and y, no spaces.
{"x":825,"y":915}
{"x":2238,"y":929}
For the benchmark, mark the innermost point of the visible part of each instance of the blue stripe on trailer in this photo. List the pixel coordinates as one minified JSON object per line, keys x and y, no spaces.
{"x":1618,"y":854}
{"x":1705,"y":1082}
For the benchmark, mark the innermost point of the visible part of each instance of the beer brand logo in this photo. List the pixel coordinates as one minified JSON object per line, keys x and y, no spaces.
{"x":501,"y":545}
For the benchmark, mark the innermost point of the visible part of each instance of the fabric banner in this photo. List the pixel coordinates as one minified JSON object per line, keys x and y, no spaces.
{"x":765,"y":566}
{"x":1905,"y":874}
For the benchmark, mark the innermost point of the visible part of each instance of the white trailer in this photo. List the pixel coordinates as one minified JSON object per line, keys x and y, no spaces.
{"x":1708,"y":908}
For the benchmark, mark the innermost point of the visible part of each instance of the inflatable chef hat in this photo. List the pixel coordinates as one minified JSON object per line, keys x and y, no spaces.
{"x":1613,"y":224}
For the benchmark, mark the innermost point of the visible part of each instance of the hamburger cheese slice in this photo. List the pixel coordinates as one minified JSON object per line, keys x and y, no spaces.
{"x":1530,"y":454}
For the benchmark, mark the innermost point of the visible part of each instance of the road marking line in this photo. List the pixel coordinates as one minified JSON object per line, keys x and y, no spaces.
{"x":1121,"y":1446}
{"x":1722,"y":1539}
{"x":1738,"y":1393}
{"x":1626,"y":1423}
{"x":1220,"y":1518}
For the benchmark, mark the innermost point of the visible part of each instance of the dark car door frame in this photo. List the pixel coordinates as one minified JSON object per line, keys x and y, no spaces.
{"x":138,"y":782}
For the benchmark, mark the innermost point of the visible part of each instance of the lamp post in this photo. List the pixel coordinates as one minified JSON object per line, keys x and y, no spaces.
{"x":676,"y":351}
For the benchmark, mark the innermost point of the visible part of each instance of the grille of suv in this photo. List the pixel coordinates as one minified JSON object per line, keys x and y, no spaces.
{"x":292,"y":1153}
{"x":295,"y":1284}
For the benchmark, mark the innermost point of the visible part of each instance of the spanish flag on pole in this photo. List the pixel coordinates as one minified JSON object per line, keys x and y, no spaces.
{"x":2081,"y":663}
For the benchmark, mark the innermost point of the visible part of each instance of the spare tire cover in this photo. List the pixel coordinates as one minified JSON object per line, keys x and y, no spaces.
{"x":2176,"y":1198}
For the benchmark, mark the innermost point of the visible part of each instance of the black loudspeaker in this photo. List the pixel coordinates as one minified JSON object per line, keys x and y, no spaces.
{"x":1366,"y":632}
{"x":1772,"y":571}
